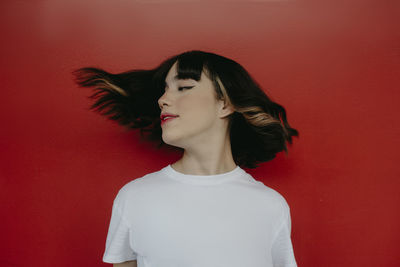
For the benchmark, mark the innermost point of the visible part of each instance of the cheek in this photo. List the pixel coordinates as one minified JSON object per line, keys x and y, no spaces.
{"x":199,"y":108}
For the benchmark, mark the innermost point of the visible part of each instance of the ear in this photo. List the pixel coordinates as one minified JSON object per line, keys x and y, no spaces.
{"x":225,"y":109}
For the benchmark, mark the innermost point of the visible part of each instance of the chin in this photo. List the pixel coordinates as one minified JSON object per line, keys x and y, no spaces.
{"x":170,"y":140}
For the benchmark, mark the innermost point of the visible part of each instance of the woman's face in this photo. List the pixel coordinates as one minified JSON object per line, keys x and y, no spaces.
{"x":196,"y":107}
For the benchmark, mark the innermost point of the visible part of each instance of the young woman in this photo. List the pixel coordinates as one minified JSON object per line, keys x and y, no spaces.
{"x":203,"y":210}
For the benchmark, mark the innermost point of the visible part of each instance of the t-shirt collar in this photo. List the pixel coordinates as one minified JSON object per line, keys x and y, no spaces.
{"x":204,"y":179}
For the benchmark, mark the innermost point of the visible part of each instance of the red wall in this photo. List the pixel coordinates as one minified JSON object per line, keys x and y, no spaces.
{"x":334,"y":65}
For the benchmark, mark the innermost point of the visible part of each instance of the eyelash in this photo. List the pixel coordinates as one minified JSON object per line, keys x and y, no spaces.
{"x":187,"y":87}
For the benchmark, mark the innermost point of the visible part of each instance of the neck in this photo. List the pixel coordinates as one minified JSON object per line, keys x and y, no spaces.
{"x":209,"y":164}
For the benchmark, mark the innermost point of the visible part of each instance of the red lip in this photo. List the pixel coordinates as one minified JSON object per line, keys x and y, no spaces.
{"x":166,"y":120}
{"x":165,"y":114}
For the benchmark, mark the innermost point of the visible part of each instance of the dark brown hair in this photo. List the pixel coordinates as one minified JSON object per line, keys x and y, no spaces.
{"x":258,"y":128}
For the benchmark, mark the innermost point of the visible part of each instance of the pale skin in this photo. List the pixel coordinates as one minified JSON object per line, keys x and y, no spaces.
{"x":201,"y":128}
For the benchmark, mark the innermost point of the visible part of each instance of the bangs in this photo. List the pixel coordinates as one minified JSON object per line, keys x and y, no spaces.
{"x":190,"y":66}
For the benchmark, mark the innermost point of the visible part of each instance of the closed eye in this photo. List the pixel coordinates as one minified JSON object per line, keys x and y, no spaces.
{"x":185,"y":87}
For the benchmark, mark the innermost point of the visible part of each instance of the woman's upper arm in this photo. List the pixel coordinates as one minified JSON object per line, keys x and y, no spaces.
{"x":126,"y":264}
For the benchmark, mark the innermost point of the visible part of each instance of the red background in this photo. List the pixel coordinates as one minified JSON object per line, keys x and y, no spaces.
{"x":334,"y":66}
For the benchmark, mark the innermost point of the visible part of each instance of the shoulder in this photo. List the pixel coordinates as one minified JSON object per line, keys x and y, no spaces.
{"x":138,"y":186}
{"x":270,"y":197}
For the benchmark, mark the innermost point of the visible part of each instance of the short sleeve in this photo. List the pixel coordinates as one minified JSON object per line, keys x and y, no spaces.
{"x":118,"y":247}
{"x":282,"y":249}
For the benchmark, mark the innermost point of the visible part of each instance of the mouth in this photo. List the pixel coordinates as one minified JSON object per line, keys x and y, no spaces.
{"x":167,"y":119}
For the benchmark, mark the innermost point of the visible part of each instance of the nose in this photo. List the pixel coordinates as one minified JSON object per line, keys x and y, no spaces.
{"x":163,"y":101}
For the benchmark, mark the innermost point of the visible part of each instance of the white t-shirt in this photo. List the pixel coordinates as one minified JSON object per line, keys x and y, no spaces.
{"x":170,"y":219}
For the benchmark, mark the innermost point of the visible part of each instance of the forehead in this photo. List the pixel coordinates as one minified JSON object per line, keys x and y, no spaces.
{"x":171,"y":78}
{"x":172,"y":75}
